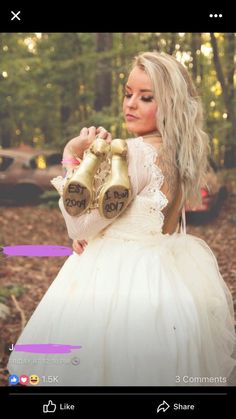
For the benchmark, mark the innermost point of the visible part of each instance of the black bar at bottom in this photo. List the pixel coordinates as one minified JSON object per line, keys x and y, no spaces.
{"x":109,"y":402}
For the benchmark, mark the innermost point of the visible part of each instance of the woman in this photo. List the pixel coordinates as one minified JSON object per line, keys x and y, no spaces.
{"x":146,"y":303}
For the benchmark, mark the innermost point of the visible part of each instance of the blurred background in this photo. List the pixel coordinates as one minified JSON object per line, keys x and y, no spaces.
{"x":52,"y":85}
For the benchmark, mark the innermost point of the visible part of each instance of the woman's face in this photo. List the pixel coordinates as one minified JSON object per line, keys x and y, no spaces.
{"x":139,"y":105}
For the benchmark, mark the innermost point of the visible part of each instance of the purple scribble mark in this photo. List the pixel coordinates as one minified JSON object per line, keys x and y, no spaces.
{"x":46,"y":348}
{"x":38,"y":250}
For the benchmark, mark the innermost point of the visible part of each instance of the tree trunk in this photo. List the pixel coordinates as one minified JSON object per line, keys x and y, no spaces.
{"x":171,"y":48}
{"x":226,"y":82}
{"x":194,"y":47}
{"x":5,"y":139}
{"x":103,"y":79}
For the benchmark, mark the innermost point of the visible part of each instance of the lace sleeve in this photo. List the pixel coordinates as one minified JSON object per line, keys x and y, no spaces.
{"x":163,"y":177}
{"x":89,"y":224}
{"x":60,"y":181}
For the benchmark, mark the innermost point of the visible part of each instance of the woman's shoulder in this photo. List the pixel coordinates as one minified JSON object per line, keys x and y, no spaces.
{"x":153,"y":155}
{"x":144,"y":147}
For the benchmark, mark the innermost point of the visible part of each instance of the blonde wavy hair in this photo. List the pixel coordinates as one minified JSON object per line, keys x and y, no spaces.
{"x":179,"y":119}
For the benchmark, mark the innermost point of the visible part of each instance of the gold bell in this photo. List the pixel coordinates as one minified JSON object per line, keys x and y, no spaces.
{"x":115,"y":194}
{"x":78,"y":192}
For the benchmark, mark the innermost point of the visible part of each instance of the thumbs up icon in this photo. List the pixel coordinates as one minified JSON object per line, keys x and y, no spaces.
{"x":50,"y":407}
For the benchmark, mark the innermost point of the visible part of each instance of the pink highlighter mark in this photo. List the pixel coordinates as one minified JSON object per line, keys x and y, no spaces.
{"x":46,"y":348}
{"x":38,"y":250}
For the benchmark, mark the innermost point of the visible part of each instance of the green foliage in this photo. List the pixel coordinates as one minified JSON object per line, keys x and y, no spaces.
{"x":50,"y":82}
{"x":49,"y":199}
{"x":5,"y":292}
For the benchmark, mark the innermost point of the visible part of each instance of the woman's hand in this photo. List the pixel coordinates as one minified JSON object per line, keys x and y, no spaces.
{"x":78,"y":145}
{"x":79,"y":246}
{"x":103,"y":133}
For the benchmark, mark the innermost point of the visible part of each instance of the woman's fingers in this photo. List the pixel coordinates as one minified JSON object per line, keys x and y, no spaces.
{"x":83,"y":242}
{"x":99,"y":129}
{"x":87,"y":135}
{"x":84,"y":137}
{"x":79,"y":246}
{"x":77,"y":145}
{"x":103,"y":133}
{"x":84,"y":132}
{"x":109,"y":138}
{"x":91,"y":134}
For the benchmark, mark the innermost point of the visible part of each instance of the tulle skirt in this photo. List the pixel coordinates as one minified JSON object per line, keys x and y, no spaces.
{"x":148,"y":312}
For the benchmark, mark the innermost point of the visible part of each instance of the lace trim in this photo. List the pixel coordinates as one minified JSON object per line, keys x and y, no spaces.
{"x":101,"y":176}
{"x":152,"y":190}
{"x":60,"y":181}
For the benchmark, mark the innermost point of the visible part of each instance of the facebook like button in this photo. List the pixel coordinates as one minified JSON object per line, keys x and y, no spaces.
{"x":13,"y":379}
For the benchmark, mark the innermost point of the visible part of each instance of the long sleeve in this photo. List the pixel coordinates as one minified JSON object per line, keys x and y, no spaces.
{"x":89,"y":224}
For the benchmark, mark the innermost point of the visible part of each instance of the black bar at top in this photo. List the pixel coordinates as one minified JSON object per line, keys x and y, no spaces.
{"x":37,"y":17}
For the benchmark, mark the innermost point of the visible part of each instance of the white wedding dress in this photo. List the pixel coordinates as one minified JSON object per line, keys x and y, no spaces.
{"x":147,"y":308}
